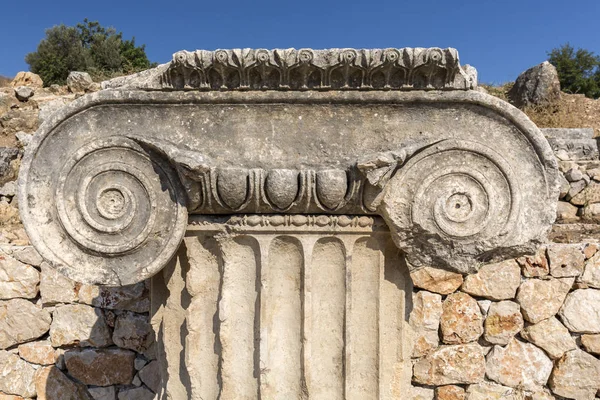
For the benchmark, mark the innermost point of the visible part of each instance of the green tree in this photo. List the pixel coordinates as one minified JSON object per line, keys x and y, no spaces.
{"x":578,"y":70}
{"x":88,"y":47}
{"x":58,"y":54}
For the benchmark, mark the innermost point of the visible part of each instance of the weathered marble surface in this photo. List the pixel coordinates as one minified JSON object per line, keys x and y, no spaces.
{"x":286,"y":311}
{"x":460,"y":177}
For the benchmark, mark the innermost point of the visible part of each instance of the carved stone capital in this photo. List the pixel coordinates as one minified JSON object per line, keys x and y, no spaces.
{"x":461,"y":178}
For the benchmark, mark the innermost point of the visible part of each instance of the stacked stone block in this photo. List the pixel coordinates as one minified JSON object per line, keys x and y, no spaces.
{"x":521,"y":329}
{"x":63,"y":340}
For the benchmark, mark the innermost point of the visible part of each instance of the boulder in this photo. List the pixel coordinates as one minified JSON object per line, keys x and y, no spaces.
{"x":17,"y":377}
{"x":581,"y":311}
{"x":461,"y":320}
{"x":23,"y":93}
{"x":576,"y":376}
{"x":21,"y":321}
{"x":79,"y":82}
{"x":436,"y":280}
{"x":449,"y":365}
{"x":425,"y":321}
{"x":538,"y":85}
{"x":497,"y":281}
{"x":79,"y":324}
{"x":26,"y":78}
{"x":550,"y":335}
{"x":101,"y":367}
{"x":542,"y":298}
{"x":503,"y":322}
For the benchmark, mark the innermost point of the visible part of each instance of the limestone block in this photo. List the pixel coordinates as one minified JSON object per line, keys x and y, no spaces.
{"x":461,"y":320}
{"x":494,"y":281}
{"x":51,"y":384}
{"x":21,"y":321}
{"x":425,"y":321}
{"x":27,"y":255}
{"x":518,"y":365}
{"x":129,"y":297}
{"x":551,"y":336}
{"x":589,"y":250}
{"x":541,"y":299}
{"x":133,"y":331}
{"x":56,"y":288}
{"x":591,"y":272}
{"x":10,"y":397}
{"x":421,"y":393}
{"x":101,"y":367}
{"x":503,"y":322}
{"x":591,"y":213}
{"x":565,"y":260}
{"x":566,"y":212}
{"x":79,"y":324}
{"x":17,"y":279}
{"x":448,"y":365}
{"x":591,"y":343}
{"x":140,"y":393}
{"x":38,"y":352}
{"x":589,"y":195}
{"x":581,"y":311}
{"x":576,"y":376}
{"x":150,"y":375}
{"x":535,"y":266}
{"x":17,"y":377}
{"x":103,"y":393}
{"x":450,"y":392}
{"x":436,"y":280}
{"x":491,"y":391}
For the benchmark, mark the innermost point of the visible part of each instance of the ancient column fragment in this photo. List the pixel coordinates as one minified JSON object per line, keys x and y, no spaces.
{"x":286,"y":193}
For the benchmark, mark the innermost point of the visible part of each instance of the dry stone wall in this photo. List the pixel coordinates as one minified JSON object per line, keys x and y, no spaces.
{"x":524,"y":328}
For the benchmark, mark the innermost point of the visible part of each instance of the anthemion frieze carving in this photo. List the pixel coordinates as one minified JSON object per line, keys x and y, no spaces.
{"x":459,"y":177}
{"x":308,"y":69}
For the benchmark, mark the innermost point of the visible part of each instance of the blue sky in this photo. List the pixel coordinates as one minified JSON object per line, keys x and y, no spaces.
{"x":501,"y":38}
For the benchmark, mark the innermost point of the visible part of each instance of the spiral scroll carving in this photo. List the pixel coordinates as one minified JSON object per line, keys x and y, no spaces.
{"x":116,"y":201}
{"x":461,"y":198}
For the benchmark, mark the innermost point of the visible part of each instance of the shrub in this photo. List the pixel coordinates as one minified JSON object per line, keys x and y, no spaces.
{"x":88,"y":47}
{"x":578,"y":70}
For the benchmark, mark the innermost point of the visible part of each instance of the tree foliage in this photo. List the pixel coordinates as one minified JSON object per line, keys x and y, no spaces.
{"x":87,"y":47}
{"x":578,"y":70}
